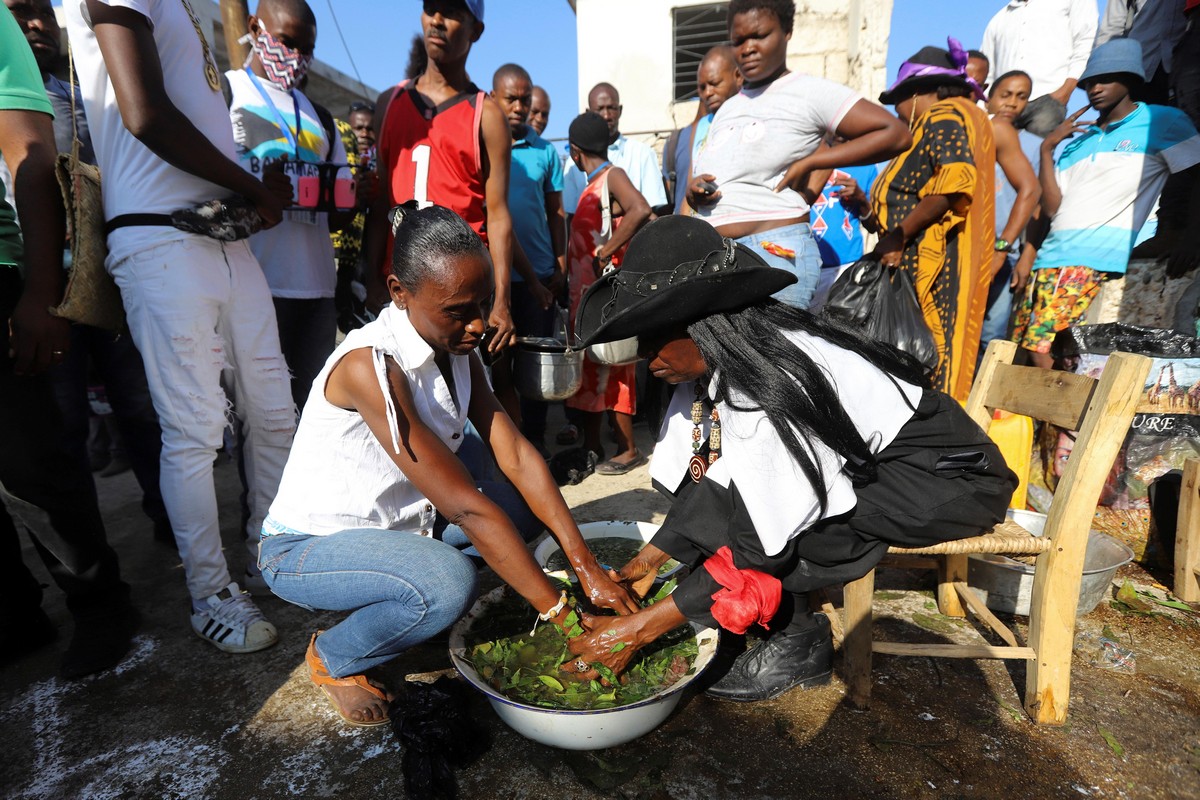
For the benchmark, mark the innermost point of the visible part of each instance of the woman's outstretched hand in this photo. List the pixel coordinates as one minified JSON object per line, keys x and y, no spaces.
{"x":611,"y":641}
{"x":639,"y":574}
{"x":604,"y":590}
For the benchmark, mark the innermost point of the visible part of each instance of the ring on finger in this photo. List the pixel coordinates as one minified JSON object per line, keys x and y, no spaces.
{"x":581,"y":666}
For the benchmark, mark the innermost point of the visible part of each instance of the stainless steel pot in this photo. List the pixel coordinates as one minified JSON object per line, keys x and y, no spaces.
{"x":543,"y":369}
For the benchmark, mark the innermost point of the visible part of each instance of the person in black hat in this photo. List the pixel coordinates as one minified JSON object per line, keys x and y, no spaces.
{"x":796,"y":451}
{"x":935,"y":206}
{"x":609,"y":212}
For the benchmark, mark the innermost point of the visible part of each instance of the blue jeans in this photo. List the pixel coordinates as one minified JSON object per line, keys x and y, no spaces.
{"x":999,"y":306}
{"x":400,"y":588}
{"x":805,"y":264}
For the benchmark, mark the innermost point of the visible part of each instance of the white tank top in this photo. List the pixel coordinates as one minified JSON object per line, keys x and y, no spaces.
{"x":338,"y":475}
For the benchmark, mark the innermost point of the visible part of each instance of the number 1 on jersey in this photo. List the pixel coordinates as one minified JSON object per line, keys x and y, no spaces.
{"x":420,"y":157}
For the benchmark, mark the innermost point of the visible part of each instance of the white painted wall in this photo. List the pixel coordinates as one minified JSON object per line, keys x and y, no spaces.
{"x":629,"y":44}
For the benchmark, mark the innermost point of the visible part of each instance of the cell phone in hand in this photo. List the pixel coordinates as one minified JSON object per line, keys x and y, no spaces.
{"x":708,"y":187}
{"x":484,"y":343}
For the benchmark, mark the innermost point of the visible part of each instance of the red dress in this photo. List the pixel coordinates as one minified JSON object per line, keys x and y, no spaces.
{"x":604,"y":387}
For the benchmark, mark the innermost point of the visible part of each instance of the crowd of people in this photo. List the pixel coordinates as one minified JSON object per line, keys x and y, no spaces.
{"x":435,"y":226}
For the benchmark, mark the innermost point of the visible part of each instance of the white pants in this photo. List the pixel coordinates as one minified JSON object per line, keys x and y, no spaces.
{"x":196,"y":307}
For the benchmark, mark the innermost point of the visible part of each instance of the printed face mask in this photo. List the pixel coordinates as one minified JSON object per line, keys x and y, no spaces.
{"x":284,"y":66}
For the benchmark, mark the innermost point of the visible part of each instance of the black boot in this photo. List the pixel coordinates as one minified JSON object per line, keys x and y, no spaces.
{"x":781,"y":662}
{"x":101,"y":639}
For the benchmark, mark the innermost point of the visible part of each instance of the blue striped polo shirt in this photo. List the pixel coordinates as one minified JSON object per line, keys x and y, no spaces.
{"x":1110,"y":180}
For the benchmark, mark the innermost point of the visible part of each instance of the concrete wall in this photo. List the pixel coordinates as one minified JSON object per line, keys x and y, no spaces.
{"x":629,"y":44}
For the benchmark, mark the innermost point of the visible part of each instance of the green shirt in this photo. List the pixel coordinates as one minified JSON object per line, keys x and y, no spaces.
{"x":20,"y":90}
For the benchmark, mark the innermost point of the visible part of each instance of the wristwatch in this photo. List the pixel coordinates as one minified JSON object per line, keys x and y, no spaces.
{"x":1002,"y":245}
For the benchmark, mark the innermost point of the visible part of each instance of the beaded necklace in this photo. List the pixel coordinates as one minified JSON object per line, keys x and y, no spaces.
{"x":698,"y":465}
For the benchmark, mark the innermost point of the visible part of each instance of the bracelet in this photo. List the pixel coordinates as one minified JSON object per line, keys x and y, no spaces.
{"x":552,"y":613}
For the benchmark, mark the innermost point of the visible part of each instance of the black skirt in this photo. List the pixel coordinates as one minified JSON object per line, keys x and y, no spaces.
{"x":941,"y":479}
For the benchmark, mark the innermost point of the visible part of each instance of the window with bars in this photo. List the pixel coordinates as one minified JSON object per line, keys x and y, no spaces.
{"x":697,"y":29}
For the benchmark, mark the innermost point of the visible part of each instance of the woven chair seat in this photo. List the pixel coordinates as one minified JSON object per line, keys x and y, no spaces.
{"x":1007,"y":538}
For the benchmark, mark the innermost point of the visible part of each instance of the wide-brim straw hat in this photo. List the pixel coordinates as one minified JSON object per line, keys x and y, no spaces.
{"x":677,"y":270}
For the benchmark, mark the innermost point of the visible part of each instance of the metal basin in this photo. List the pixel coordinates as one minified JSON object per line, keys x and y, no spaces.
{"x":625,"y":529}
{"x":1005,"y":584}
{"x":544,"y":369}
{"x":570,"y":729}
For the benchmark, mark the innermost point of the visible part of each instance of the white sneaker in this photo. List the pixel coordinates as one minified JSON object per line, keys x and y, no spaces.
{"x":231,"y":622}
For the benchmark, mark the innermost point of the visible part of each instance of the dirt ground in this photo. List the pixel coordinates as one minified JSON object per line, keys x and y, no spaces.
{"x":178,"y":719}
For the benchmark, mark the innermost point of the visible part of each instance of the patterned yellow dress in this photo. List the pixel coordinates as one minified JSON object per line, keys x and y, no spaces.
{"x":953,"y":153}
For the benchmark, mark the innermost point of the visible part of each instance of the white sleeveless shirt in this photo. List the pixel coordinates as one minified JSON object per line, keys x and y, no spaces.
{"x":338,"y":475}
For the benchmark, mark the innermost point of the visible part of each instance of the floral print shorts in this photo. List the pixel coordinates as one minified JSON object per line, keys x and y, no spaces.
{"x":1055,"y":299}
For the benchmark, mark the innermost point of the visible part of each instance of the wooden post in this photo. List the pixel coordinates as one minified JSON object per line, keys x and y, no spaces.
{"x":998,"y":352}
{"x":856,"y":647}
{"x":234,"y":14}
{"x":1187,"y":535}
{"x":1059,"y":571}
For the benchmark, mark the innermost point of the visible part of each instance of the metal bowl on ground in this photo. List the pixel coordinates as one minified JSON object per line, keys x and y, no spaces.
{"x":1006,"y":584}
{"x":544,"y":369}
{"x":641,"y":531}
{"x":570,"y":729}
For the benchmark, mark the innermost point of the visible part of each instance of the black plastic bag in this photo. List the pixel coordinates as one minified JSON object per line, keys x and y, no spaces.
{"x":883,"y":302}
{"x":434,"y":723}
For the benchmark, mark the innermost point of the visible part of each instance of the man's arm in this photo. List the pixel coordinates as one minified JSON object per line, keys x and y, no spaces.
{"x":1112,"y":24}
{"x":652,"y":186}
{"x":1081,"y":21}
{"x":131,"y":56}
{"x":1019,"y":173}
{"x":558,"y":241}
{"x":1051,"y":191}
{"x":37,"y":339}
{"x":497,"y":159}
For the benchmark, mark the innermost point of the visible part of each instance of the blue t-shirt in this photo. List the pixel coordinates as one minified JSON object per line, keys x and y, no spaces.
{"x":838,"y":232}
{"x":536,"y":172}
{"x":1110,"y":179}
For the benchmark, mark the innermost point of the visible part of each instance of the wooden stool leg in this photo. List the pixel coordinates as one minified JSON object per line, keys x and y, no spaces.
{"x":856,"y":648}
{"x":951,"y":570}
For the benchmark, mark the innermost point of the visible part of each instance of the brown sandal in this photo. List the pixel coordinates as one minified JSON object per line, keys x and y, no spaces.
{"x":322,"y":679}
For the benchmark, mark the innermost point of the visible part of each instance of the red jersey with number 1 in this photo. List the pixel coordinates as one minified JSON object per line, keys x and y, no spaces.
{"x":433,"y":153}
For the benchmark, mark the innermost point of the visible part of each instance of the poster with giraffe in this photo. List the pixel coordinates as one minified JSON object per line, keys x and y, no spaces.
{"x":1165,"y":431}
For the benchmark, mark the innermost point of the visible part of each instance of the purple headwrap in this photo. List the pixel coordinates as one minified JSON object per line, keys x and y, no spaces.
{"x":958,"y":56}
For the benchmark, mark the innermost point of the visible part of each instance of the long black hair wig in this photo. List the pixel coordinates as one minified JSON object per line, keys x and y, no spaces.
{"x":756,"y":362}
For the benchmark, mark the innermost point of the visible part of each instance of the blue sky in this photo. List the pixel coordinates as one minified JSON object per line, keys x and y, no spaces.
{"x":540,"y":35}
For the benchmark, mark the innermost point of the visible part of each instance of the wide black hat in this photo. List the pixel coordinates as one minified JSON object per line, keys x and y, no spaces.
{"x":677,"y":270}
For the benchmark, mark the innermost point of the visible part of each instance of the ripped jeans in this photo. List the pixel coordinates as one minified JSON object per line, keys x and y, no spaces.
{"x":197,"y":307}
